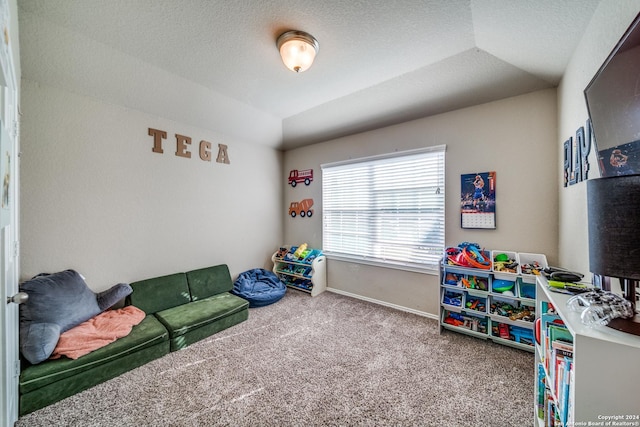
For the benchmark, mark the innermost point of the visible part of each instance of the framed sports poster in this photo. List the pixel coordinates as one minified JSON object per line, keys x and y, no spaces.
{"x":478,"y":200}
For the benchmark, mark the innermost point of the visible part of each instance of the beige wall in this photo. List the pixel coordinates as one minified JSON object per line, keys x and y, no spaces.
{"x":97,"y":199}
{"x":515,"y":137}
{"x":608,"y":24}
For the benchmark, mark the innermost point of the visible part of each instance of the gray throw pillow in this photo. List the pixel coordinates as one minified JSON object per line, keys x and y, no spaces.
{"x":57,"y":302}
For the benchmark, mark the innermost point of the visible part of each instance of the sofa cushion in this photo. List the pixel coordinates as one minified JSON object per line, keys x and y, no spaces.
{"x":210,"y":281}
{"x":61,"y":299}
{"x":160,"y":293}
{"x":147,"y":333}
{"x":182,"y":319}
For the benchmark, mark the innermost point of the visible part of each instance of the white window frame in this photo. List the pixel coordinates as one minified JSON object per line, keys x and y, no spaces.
{"x":386,"y":210}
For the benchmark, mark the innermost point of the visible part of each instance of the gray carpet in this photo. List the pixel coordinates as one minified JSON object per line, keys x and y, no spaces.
{"x":323,"y":361}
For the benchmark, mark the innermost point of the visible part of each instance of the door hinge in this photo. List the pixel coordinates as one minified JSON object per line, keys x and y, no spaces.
{"x":16,"y":249}
{"x":16,"y":364}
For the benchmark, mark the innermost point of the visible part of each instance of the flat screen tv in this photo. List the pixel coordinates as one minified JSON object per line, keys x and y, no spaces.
{"x":613,"y":101}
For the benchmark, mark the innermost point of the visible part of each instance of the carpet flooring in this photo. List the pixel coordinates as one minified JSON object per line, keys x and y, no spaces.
{"x":329,"y":360}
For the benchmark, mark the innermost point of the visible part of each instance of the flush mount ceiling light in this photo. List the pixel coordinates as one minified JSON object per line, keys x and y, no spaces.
{"x":297,"y":49}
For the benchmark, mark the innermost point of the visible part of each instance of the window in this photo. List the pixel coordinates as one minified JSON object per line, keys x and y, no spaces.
{"x":386,"y":210}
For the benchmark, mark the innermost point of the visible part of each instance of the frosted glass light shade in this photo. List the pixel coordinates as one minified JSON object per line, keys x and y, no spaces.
{"x":298,"y":50}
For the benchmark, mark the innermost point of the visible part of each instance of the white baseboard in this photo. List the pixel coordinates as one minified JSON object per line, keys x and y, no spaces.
{"x":384,"y":303}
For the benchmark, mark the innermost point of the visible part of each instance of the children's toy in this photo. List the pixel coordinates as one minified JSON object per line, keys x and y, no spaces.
{"x":522,"y":335}
{"x":282,"y":251}
{"x":469,"y":255}
{"x":599,"y":307}
{"x":524,"y":313}
{"x":473,"y":282}
{"x":454,"y":319}
{"x":452,"y":298}
{"x":503,"y":264}
{"x":476,"y":304}
{"x":532,"y":268}
{"x":500,"y":285}
{"x":298,"y":253}
{"x":452,"y":279}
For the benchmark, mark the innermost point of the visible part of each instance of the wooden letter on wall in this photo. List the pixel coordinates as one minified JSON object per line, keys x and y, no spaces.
{"x":223,"y":156}
{"x":158,"y":136}
{"x":205,"y":151}
{"x":181,"y":146}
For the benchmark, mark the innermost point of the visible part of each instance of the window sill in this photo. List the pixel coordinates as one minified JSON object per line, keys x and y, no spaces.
{"x":431,"y":270}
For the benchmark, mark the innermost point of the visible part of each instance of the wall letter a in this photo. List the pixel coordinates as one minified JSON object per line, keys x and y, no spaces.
{"x":223,"y":156}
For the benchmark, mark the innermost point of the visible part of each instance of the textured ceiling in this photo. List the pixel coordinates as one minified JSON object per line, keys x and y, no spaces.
{"x":380,"y":62}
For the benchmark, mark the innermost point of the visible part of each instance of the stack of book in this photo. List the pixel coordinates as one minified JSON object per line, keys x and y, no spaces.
{"x":555,"y":372}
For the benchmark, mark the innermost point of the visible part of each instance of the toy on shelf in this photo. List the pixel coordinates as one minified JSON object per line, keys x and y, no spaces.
{"x":532,"y":268}
{"x":472,"y":323}
{"x":298,"y":253}
{"x":473,"y":282}
{"x":502,"y":263}
{"x":503,"y":286}
{"x":452,"y":279}
{"x":469,"y":255}
{"x":282,"y":251}
{"x":452,"y":298}
{"x":477,"y":304}
{"x":505,"y":309}
{"x":454,"y":319}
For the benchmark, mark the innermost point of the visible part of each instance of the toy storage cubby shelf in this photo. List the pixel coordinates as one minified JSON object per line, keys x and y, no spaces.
{"x":476,"y":310}
{"x":605,"y":368}
{"x":308,"y":274}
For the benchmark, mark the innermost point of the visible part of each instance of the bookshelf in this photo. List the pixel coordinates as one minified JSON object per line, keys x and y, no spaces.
{"x":606,"y":368}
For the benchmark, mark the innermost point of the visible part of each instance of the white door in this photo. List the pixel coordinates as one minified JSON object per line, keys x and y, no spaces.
{"x":9,"y":266}
{"x":9,"y":235}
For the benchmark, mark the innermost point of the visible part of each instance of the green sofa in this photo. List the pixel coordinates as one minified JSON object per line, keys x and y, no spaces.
{"x":181,"y":309}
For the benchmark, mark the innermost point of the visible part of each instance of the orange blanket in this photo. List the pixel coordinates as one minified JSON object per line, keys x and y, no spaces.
{"x":97,"y":332}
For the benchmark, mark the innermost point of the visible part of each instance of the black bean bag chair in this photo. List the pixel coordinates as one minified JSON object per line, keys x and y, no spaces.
{"x":259,"y":286}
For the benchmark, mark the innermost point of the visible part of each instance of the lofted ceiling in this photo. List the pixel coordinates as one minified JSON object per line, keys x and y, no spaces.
{"x":380,"y":62}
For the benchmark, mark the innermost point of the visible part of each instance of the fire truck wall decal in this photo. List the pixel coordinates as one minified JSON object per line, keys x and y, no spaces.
{"x":296,"y":176}
{"x":301,"y":208}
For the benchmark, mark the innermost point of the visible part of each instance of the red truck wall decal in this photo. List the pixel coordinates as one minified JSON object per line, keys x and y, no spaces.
{"x":296,"y":176}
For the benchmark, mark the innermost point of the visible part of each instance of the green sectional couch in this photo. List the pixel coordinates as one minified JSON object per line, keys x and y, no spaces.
{"x":181,"y":309}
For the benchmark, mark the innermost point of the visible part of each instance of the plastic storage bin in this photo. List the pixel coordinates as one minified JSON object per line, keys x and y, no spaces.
{"x":527,"y":290}
{"x":511,"y":309}
{"x":453,"y":300}
{"x":505,"y":268}
{"x":465,"y":321}
{"x":512,"y":333}
{"x":475,"y":303}
{"x":531,"y":265}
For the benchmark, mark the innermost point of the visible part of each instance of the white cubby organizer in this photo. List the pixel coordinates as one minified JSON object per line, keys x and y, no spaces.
{"x":471,"y":302}
{"x":308,"y":274}
{"x":603,"y":377}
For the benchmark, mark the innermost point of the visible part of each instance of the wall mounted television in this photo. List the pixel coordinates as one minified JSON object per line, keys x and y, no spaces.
{"x":613,"y":101}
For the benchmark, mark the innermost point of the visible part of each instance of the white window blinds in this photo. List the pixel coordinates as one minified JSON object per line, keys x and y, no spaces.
{"x":386,"y":209}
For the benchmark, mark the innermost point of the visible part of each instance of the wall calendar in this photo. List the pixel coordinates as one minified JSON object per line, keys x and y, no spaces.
{"x":478,"y":200}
